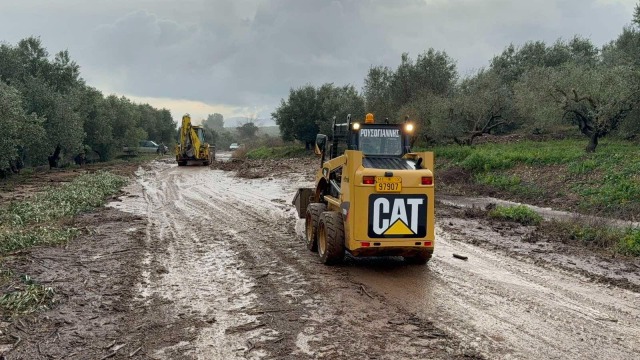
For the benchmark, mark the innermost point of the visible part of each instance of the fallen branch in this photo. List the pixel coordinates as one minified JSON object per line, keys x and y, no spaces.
{"x":111,"y":354}
{"x":17,"y":342}
{"x":260,"y":312}
{"x":251,"y":345}
{"x":135,"y":352}
{"x":461,"y":257}
{"x":364,"y":290}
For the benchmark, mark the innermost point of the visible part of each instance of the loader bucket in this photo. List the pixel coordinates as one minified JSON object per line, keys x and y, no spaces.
{"x":302,"y":200}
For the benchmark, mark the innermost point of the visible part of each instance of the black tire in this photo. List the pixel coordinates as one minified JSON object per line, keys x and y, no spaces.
{"x":311,"y":225}
{"x":331,"y":238}
{"x":182,"y":163}
{"x":206,"y":163}
{"x":421,"y":258}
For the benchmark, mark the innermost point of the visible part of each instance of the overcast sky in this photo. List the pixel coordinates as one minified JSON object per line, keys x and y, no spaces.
{"x":240,"y":57}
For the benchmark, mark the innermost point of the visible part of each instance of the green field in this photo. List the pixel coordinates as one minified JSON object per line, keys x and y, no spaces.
{"x":555,"y":172}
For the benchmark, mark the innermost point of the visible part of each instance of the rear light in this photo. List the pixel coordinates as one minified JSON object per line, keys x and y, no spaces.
{"x":365,"y":244}
{"x":368,"y":180}
{"x":427,"y":243}
{"x":427,"y":180}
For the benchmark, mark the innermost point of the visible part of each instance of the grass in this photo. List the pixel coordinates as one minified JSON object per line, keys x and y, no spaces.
{"x":520,"y":214}
{"x":279,"y":152}
{"x":620,"y":240}
{"x":606,"y":182}
{"x":27,"y":297}
{"x":40,"y":220}
{"x":84,"y":193}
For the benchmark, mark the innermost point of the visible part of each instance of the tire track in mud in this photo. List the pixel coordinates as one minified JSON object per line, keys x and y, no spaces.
{"x":226,"y":253}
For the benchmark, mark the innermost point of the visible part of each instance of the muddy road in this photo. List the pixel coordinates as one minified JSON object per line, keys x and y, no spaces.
{"x":221,"y":272}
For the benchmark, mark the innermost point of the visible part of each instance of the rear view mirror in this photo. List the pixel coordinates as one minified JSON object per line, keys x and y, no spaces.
{"x":321,"y":143}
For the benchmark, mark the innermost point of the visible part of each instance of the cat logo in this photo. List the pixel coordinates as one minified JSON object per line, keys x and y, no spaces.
{"x":397,"y":216}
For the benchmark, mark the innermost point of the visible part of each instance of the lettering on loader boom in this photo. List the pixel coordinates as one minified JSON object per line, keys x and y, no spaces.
{"x":373,"y":196}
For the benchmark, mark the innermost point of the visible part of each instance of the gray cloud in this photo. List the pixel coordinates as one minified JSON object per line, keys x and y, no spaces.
{"x":248,"y":53}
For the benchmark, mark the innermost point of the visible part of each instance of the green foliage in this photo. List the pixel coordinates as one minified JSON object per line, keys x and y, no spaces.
{"x":83,"y":193}
{"x":247,"y":132}
{"x":310,"y":110}
{"x":514,"y":62}
{"x":630,"y":243}
{"x":12,"y":116}
{"x":499,"y":181}
{"x":214,"y":121}
{"x":27,"y":297}
{"x":49,"y":104}
{"x":416,"y":89}
{"x":605,"y":181}
{"x":520,"y":214}
{"x":490,"y":157}
{"x":24,"y":238}
{"x":280,"y":152}
{"x":620,"y":240}
{"x":32,"y":222}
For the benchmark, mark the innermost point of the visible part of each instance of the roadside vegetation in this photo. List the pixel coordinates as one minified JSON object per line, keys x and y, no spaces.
{"x":595,"y":233}
{"x":50,"y":116}
{"x":44,"y":219}
{"x":520,"y":214}
{"x":618,"y":240}
{"x":552,"y":173}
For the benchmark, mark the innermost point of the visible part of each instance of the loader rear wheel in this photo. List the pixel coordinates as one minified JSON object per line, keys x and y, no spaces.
{"x":331,"y":238}
{"x":422,"y":258}
{"x":311,"y":225}
{"x":182,"y":163}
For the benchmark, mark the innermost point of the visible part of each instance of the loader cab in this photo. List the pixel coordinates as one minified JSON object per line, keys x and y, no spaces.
{"x":374,"y":140}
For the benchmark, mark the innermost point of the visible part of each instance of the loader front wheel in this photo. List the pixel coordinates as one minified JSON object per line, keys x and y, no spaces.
{"x":331,"y":238}
{"x":311,"y":225}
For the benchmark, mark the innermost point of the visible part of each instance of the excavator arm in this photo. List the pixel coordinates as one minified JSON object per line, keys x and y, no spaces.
{"x":192,"y":146}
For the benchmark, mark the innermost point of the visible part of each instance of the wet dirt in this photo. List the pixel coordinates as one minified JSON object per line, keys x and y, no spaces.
{"x":198,"y":263}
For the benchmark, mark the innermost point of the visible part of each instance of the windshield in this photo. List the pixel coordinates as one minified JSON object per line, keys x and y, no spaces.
{"x":201,"y":134}
{"x":381,"y":141}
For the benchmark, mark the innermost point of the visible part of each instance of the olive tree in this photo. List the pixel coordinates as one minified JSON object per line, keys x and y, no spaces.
{"x":482,"y":104}
{"x":595,"y":99}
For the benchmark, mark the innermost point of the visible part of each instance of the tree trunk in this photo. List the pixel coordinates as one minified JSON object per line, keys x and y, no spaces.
{"x":55,"y":157}
{"x":593,"y":143}
{"x":307,"y":145}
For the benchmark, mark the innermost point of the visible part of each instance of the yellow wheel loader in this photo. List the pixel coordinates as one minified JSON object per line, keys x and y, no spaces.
{"x":192,"y":146}
{"x":373,"y":196}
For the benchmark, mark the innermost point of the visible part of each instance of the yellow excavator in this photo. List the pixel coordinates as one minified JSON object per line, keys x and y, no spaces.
{"x":192,"y":146}
{"x":373,"y":196}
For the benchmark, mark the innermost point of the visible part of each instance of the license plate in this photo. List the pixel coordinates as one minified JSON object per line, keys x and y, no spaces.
{"x":388,"y":184}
